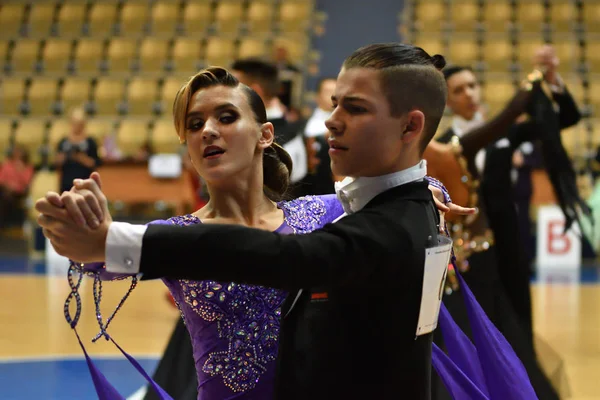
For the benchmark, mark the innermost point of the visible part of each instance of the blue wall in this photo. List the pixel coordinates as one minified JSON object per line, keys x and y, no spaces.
{"x":351,"y":24}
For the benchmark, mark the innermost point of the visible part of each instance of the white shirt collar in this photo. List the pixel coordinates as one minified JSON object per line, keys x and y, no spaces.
{"x":355,"y":193}
{"x":461,"y":126}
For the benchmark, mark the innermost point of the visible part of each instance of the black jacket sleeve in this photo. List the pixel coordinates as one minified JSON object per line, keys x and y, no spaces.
{"x":569,"y":114}
{"x":343,"y":253}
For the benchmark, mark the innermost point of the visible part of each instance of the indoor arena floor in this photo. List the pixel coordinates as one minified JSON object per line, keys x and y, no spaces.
{"x":40,"y":357}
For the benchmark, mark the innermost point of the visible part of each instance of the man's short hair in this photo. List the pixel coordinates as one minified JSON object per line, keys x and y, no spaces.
{"x":455,"y":69}
{"x":410,"y":78}
{"x":323,"y":80}
{"x":260,"y":72}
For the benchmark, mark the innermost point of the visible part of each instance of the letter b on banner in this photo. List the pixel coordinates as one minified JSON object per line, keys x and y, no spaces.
{"x":555,"y":249}
{"x":558,"y":243}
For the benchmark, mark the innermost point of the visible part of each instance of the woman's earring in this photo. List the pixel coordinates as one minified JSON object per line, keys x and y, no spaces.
{"x":181,"y":140}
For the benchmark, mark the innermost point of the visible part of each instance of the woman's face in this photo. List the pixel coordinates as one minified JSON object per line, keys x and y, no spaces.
{"x":223,"y":137}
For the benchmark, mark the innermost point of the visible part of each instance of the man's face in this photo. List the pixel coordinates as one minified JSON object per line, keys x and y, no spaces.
{"x":464,"y":94}
{"x":326,"y":90}
{"x":77,"y":126}
{"x":365,"y":139}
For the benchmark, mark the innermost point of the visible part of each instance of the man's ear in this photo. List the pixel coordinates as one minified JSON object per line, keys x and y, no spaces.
{"x":267,"y":135}
{"x":415,"y":123}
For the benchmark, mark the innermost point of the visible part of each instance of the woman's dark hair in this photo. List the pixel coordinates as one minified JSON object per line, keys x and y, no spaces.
{"x":277,"y":163}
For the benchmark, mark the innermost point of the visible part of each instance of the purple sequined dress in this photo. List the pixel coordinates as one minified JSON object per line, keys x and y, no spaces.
{"x":235,"y":328}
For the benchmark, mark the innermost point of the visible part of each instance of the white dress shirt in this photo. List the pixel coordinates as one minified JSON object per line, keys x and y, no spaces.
{"x":124,"y":241}
{"x":355,"y":193}
{"x":316,"y":123}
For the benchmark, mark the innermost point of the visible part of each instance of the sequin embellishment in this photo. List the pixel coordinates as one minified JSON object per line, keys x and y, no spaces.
{"x":247,"y":316}
{"x":304,"y":214}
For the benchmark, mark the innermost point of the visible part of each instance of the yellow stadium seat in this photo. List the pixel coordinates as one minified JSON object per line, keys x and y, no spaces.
{"x":295,"y":16}
{"x":31,"y":133}
{"x":102,"y":19}
{"x":88,"y":55}
{"x":40,"y":20}
{"x":432,"y":44}
{"x":169,"y":90}
{"x":165,"y":17}
{"x":57,"y":55}
{"x":108,"y":95}
{"x":4,"y":46}
{"x":592,"y":55}
{"x":164,"y":138}
{"x":568,"y":53}
{"x":526,"y":50}
{"x":70,"y":19}
{"x":12,"y":92}
{"x":11,"y":18}
{"x":594,"y":93}
{"x":430,"y":15}
{"x":153,"y":55}
{"x":219,"y":51}
{"x":497,"y":92}
{"x":141,"y":95}
{"x":297,"y":47}
{"x":186,"y":55}
{"x":463,"y":51}
{"x":98,"y":128}
{"x":252,"y":47}
{"x":575,"y":87}
{"x":132,"y":135}
{"x":260,"y":17}
{"x":42,"y":95}
{"x":134,"y":17}
{"x":496,"y":15}
{"x":530,"y":16}
{"x":563,"y":15}
{"x":464,"y":15}
{"x":197,"y":17}
{"x":572,"y":138}
{"x":43,"y":181}
{"x":595,"y":123}
{"x":6,"y":129}
{"x":120,"y":55}
{"x":497,"y":53}
{"x":591,"y":16}
{"x":59,"y":129}
{"x":75,"y":92}
{"x":25,"y":55}
{"x":228,"y":16}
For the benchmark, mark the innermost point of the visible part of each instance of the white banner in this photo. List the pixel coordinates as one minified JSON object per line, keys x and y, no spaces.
{"x":556,"y":250}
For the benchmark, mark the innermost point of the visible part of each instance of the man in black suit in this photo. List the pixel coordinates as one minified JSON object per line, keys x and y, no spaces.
{"x":494,"y":167}
{"x":360,"y":340}
{"x":499,"y":255}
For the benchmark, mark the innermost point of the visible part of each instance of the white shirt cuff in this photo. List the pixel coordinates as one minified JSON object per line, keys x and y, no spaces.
{"x":124,"y":247}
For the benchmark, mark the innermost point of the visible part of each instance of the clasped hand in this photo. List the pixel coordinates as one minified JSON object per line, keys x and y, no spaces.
{"x":76,"y":222}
